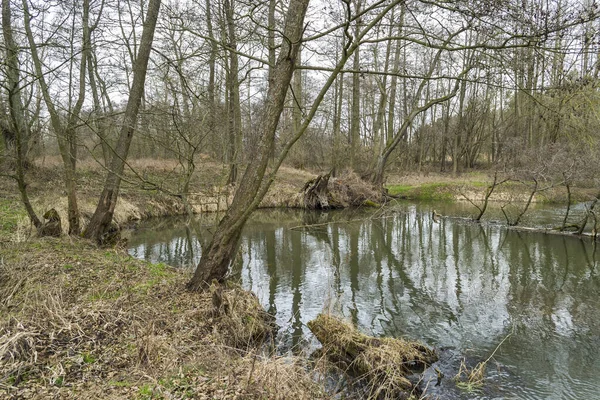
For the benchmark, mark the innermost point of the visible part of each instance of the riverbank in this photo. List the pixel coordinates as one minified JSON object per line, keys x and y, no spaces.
{"x":82,"y":322}
{"x":149,"y":189}
{"x":473,"y":186}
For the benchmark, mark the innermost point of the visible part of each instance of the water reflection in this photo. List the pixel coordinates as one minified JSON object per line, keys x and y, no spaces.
{"x":450,"y":284}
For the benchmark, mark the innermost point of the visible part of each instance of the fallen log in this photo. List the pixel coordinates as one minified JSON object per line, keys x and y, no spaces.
{"x":381,"y":363}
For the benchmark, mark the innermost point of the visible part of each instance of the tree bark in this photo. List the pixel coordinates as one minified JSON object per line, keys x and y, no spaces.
{"x":355,"y":113}
{"x":214,"y":263}
{"x":66,"y":134}
{"x":234,"y":116}
{"x":102,"y":218}
{"x":17,"y":115}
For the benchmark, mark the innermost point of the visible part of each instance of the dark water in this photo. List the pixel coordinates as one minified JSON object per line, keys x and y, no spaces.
{"x":455,"y":285}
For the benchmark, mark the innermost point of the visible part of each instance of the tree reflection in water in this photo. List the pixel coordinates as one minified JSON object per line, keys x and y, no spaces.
{"x":451,"y":283}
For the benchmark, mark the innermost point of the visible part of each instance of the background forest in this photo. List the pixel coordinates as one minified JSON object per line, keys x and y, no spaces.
{"x":377,"y":86}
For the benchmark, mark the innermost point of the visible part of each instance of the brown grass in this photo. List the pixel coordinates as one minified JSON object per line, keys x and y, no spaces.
{"x":381,"y":363}
{"x":79,"y":322}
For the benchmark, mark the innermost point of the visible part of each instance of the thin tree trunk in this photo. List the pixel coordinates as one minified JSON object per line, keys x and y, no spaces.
{"x":355,"y":115}
{"x":214,"y":263}
{"x":66,"y":135}
{"x":211,"y":69}
{"x":337,"y":119}
{"x":17,"y":115}
{"x":234,"y":115}
{"x":102,"y":218}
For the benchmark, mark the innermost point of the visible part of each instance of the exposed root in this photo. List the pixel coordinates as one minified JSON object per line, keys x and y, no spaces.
{"x":347,"y":190}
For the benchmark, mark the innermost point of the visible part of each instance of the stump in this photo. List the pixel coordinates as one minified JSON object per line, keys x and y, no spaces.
{"x":346,"y":190}
{"x":382,"y":363}
{"x":53,"y":226}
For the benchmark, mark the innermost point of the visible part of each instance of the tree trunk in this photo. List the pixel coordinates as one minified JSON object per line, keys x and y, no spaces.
{"x":102,"y":218}
{"x":214,"y":263}
{"x":20,"y":128}
{"x":234,"y":116}
{"x":66,"y":134}
{"x":210,"y":123}
{"x":355,"y":114}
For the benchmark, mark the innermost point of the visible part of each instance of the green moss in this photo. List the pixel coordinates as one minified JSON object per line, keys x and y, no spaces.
{"x":370,"y":203}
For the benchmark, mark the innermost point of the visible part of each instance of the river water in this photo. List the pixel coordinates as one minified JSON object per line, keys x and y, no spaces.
{"x":458,"y":286}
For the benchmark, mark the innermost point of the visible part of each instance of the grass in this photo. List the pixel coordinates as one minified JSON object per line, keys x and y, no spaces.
{"x":12,"y":214}
{"x":426,"y":191}
{"x":81,"y":322}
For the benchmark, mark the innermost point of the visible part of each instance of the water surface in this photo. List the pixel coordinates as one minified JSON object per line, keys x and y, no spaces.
{"x":458,"y":286}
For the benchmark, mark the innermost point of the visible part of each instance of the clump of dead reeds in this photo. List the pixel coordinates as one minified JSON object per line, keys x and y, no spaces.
{"x":381,"y":363}
{"x":472,"y":379}
{"x":238,"y":316}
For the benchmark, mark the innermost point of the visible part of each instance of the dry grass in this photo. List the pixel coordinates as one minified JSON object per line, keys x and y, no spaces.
{"x":472,"y":379}
{"x":140,"y":199}
{"x":349,"y":190}
{"x":381,"y":363}
{"x":79,"y":322}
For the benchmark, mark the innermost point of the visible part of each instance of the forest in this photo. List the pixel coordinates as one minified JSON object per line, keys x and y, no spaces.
{"x":162,"y":104}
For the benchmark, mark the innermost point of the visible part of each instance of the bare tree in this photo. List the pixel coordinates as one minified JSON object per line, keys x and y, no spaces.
{"x":102,"y":218}
{"x":214,"y":263}
{"x":17,"y":128}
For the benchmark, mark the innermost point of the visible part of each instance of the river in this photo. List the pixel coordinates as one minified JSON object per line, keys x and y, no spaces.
{"x":458,"y":286}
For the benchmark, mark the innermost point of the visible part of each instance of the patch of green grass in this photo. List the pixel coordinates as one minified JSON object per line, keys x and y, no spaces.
{"x":158,"y":270}
{"x":59,"y":381}
{"x":145,"y":392}
{"x":88,"y":358}
{"x":400,"y":190}
{"x":11,"y":212}
{"x":427,"y":191}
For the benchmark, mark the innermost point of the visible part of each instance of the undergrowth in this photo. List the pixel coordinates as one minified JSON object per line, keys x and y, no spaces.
{"x":80,"y":322}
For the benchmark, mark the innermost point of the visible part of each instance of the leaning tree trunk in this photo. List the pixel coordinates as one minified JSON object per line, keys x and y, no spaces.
{"x":102,"y":218}
{"x":214,"y":263}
